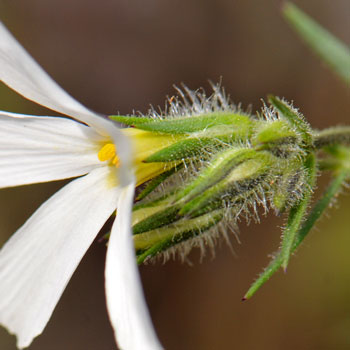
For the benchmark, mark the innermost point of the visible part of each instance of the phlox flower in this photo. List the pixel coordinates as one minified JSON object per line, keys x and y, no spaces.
{"x":39,"y":259}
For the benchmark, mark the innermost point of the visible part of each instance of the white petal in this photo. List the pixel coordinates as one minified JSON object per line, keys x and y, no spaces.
{"x":39,"y":149}
{"x":39,"y":259}
{"x":125,"y":301}
{"x":20,"y":72}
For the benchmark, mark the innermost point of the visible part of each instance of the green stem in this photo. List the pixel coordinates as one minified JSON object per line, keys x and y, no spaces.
{"x":332,"y":136}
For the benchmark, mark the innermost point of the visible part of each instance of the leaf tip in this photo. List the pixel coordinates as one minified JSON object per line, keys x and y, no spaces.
{"x":285,"y":265}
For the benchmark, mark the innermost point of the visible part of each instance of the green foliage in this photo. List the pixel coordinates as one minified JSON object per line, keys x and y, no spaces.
{"x":323,"y":43}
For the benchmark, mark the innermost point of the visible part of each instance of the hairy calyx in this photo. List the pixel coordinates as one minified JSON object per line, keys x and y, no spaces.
{"x":216,"y":163}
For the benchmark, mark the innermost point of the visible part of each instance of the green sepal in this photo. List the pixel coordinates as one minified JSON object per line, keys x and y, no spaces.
{"x":319,"y":208}
{"x":187,"y":125}
{"x":284,"y":186}
{"x":151,"y":243}
{"x":140,"y":214}
{"x":218,"y":169}
{"x":205,"y":141}
{"x":282,"y":192}
{"x":298,"y":211}
{"x":163,"y":200}
{"x":273,"y":134}
{"x":161,"y":218}
{"x":241,"y":179}
{"x":294,"y":118}
{"x":130,"y":120}
{"x":183,"y":149}
{"x":220,"y":196}
{"x":154,"y":183}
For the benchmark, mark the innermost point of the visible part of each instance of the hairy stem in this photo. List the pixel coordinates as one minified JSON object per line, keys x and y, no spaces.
{"x":332,"y":136}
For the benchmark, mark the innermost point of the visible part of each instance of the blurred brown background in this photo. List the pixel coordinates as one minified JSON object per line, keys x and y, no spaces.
{"x":122,"y":55}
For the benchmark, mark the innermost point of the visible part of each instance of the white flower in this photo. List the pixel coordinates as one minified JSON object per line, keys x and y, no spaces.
{"x":39,"y":259}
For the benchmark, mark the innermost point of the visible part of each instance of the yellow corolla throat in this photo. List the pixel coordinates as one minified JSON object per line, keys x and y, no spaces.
{"x":144,"y":144}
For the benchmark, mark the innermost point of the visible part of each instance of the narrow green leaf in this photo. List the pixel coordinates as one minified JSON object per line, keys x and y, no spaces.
{"x":322,"y":204}
{"x":322,"y":42}
{"x":298,"y":211}
{"x":274,"y":265}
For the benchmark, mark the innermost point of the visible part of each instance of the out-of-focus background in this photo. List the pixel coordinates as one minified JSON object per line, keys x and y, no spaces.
{"x":122,"y":55}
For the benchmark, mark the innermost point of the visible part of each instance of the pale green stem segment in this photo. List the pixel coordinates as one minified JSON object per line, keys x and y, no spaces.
{"x":297,"y":212}
{"x":314,"y":215}
{"x":328,"y":47}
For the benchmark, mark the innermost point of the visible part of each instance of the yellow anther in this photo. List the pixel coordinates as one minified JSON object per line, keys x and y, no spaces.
{"x":115,"y":161}
{"x":108,"y":152}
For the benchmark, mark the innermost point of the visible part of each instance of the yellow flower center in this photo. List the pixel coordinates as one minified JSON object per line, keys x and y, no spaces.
{"x":108,"y":152}
{"x":144,"y":143}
